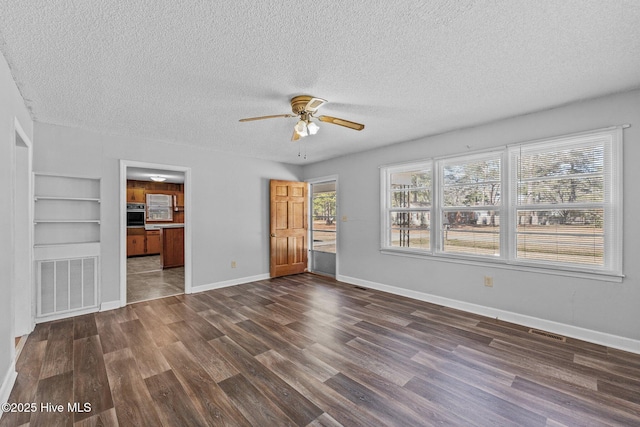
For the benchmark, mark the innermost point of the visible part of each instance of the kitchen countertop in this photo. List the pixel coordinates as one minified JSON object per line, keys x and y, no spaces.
{"x":158,"y":226}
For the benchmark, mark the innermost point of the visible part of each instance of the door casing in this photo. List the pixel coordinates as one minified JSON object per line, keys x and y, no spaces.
{"x":312,"y":256}
{"x":188,"y":273}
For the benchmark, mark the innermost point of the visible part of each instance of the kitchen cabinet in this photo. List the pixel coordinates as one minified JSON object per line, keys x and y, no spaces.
{"x":179,"y":204}
{"x":153,"y":242}
{"x":135,"y":195}
{"x":135,"y":245}
{"x":172,"y":247}
{"x":141,"y":242}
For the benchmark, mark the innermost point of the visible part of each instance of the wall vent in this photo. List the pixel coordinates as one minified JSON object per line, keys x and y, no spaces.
{"x":548,"y":335}
{"x":65,"y":285}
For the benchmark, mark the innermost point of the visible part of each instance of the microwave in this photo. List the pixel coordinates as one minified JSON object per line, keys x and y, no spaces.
{"x":135,"y":214}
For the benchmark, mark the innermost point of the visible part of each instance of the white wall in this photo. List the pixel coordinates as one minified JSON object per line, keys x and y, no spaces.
{"x":564,"y":303}
{"x":11,"y":107}
{"x":230,"y":196}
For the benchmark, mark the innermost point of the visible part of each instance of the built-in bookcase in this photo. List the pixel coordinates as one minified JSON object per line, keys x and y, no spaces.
{"x":66,"y":244}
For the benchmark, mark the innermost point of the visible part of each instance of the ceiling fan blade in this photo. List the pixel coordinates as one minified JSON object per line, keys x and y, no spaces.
{"x":295,"y":136}
{"x":341,"y":122}
{"x":250,"y":119}
{"x":313,"y":105}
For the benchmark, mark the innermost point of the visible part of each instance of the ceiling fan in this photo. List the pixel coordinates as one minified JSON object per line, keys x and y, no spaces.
{"x":304,"y":108}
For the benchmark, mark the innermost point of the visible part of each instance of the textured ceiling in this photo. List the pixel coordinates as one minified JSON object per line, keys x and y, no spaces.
{"x":186,"y":71}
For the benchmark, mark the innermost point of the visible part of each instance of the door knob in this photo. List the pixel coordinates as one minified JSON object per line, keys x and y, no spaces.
{"x":273,"y":234}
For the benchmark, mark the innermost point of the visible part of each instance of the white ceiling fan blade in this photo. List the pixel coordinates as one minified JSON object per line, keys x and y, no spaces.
{"x":313,"y":105}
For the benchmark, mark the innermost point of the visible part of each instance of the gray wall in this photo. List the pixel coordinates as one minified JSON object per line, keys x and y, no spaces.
{"x":230,"y":198}
{"x":11,"y":107}
{"x":609,"y":308}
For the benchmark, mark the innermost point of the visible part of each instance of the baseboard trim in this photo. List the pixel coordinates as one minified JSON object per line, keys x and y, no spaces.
{"x":7,"y":383}
{"x":66,"y":315}
{"x":227,"y":283}
{"x":609,"y":340}
{"x":109,"y":305}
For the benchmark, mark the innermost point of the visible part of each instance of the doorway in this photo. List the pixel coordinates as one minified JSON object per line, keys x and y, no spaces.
{"x":23,"y":229}
{"x":155,"y":254}
{"x":324,"y":226}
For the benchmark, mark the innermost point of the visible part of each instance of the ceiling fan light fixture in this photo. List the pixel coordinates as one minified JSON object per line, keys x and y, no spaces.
{"x":158,"y":178}
{"x":301,"y":128}
{"x":312,"y":128}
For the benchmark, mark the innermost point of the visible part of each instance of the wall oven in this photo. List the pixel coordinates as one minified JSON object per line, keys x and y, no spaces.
{"x":135,"y":214}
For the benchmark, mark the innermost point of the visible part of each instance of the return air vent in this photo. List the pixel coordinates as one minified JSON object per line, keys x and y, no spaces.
{"x":66,"y":285}
{"x":548,"y":335}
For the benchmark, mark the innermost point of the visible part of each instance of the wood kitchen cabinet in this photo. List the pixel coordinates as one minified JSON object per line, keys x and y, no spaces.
{"x":172,"y":247}
{"x":135,"y":195}
{"x":135,"y":245}
{"x":141,"y":242}
{"x":153,"y":242}
{"x":179,"y":201}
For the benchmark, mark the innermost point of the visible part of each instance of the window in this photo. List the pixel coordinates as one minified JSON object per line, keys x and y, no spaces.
{"x":159,"y":207}
{"x":554,"y":203}
{"x":565,"y":199}
{"x":407,"y":207}
{"x":470,"y":204}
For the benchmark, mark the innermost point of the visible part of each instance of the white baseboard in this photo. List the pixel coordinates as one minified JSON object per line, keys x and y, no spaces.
{"x":67,"y":314}
{"x":609,"y":340}
{"x":110,"y":305}
{"x":7,"y":383}
{"x":227,"y":283}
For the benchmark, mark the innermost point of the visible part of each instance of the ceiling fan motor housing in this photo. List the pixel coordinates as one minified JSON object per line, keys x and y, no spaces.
{"x":298,"y":103}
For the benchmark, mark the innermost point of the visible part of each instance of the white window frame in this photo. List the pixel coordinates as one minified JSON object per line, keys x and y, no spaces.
{"x":440,"y":164}
{"x":385,"y":203}
{"x":613,"y":205}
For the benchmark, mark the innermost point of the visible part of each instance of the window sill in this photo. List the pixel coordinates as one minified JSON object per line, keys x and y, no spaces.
{"x":501,"y":263}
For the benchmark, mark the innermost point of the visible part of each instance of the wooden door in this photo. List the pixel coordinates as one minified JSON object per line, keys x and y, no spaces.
{"x":288,"y":228}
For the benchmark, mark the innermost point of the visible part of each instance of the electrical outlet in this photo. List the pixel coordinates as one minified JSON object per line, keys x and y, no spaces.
{"x":488,"y":281}
{"x":344,"y":218}
{"x":233,"y":264}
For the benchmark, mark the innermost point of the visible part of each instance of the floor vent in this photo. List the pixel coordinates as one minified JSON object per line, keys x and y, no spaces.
{"x":360,"y":288}
{"x":548,"y":335}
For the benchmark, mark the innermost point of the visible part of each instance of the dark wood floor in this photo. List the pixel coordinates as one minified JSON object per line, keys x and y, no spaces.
{"x":306,"y":350}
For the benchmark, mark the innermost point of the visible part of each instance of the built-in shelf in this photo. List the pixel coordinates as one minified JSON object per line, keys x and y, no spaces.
{"x":66,"y":244}
{"x":77,"y":199}
{"x":52,"y":221}
{"x":53,"y":245}
{"x":67,"y":209}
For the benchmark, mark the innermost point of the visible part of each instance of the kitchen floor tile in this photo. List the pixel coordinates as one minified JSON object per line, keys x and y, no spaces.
{"x":146,"y":280}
